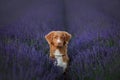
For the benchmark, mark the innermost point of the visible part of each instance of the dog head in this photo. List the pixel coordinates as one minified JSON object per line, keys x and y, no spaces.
{"x":58,"y":38}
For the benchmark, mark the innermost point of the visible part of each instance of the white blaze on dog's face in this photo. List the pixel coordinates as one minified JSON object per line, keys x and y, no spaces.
{"x":58,"y":38}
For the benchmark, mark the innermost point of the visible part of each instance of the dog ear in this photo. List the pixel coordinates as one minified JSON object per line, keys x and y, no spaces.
{"x":67,"y":37}
{"x":49,"y":37}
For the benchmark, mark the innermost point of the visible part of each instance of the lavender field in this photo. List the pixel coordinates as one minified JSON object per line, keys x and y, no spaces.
{"x":94,"y":49}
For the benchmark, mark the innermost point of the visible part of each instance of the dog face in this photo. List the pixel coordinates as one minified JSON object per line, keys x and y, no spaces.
{"x":58,"y":38}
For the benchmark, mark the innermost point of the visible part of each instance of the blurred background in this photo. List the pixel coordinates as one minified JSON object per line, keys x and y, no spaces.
{"x":94,"y":48}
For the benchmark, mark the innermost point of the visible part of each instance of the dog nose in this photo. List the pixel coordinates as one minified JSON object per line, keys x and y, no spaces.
{"x":59,"y":43}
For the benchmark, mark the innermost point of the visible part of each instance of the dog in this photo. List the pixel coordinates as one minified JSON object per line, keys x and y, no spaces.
{"x":58,"y":41}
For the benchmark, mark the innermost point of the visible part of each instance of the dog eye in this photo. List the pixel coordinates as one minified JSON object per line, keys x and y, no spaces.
{"x":55,"y":37}
{"x":62,"y":37}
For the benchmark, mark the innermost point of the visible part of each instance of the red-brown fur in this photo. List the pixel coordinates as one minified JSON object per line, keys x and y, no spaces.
{"x":62,"y":47}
